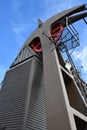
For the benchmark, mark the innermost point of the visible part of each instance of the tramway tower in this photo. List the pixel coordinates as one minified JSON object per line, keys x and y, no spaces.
{"x":42,"y":90}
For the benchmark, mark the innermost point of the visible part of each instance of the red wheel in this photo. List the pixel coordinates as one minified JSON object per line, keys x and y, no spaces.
{"x":37,"y":47}
{"x":57,"y":32}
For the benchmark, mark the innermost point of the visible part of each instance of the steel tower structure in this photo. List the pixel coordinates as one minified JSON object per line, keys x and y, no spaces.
{"x":42,"y":91}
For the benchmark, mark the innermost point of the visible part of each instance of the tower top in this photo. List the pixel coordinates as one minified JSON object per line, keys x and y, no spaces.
{"x":40,"y":22}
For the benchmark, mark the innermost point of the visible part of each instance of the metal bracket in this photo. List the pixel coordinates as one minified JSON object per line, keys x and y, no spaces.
{"x":85,"y":20}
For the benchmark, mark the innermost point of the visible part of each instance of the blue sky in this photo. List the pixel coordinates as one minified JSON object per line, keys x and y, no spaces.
{"x":18,"y":19}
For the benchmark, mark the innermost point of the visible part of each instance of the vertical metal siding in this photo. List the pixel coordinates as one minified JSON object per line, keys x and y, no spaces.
{"x":13,"y":96}
{"x":36,"y":116}
{"x":20,"y":82}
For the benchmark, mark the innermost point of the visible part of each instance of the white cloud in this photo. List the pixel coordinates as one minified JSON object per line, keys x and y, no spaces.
{"x":53,"y":7}
{"x":20,"y":22}
{"x":19,"y":27}
{"x":81,"y":58}
{"x":20,"y":31}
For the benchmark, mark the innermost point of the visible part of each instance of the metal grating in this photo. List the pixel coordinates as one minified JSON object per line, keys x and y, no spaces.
{"x":69,"y":39}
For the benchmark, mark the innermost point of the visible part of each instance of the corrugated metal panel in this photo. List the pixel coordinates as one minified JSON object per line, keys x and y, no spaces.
{"x":22,"y":97}
{"x":13,"y":96}
{"x":36,"y":119}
